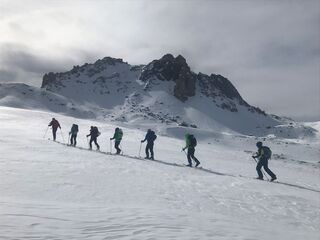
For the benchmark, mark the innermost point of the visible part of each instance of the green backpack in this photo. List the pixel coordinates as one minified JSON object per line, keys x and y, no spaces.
{"x":120,"y":134}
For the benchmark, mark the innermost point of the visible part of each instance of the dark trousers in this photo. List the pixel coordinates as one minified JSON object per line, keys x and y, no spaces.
{"x":149,"y":147}
{"x":116,"y":146}
{"x":190,"y":155}
{"x":94,"y":139}
{"x":264,"y":163}
{"x":73,"y":139}
{"x":54,"y":133}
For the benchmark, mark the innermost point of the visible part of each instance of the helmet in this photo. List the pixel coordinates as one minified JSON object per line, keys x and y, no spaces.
{"x":53,"y":119}
{"x":117,"y":129}
{"x":259,"y":144}
{"x":149,"y":130}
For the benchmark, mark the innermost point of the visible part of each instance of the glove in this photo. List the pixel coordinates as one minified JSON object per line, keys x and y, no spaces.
{"x":110,"y":138}
{"x":142,"y":141}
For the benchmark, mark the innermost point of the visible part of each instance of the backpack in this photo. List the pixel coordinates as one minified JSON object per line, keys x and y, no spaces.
{"x":75,"y":128}
{"x":267,"y":152}
{"x":120,"y":133}
{"x":153,"y":136}
{"x":95,"y":131}
{"x":193,"y":141}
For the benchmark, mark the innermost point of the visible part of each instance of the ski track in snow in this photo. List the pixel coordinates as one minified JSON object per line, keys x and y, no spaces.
{"x":50,"y":191}
{"x":200,"y":168}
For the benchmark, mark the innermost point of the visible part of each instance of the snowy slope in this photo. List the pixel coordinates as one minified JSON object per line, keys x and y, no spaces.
{"x":51,"y":191}
{"x":20,"y":95}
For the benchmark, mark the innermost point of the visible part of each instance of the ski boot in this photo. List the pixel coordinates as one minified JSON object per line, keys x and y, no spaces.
{"x":272,"y":179}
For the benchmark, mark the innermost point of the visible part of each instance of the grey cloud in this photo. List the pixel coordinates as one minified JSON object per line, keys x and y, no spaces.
{"x":283,"y":56}
{"x":18,"y":57}
{"x":7,"y":76}
{"x":258,"y":45}
{"x":19,"y":63}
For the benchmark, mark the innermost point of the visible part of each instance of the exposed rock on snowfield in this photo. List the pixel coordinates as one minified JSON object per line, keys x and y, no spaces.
{"x":173,"y":69}
{"x":216,"y":86}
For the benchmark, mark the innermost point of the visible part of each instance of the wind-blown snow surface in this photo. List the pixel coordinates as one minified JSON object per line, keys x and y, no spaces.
{"x":51,"y":191}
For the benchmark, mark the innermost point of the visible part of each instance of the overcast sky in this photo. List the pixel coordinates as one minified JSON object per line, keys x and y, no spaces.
{"x":270,"y":50}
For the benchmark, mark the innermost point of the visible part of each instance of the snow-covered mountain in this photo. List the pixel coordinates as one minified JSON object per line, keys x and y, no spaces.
{"x":21,"y":95}
{"x":164,"y":91}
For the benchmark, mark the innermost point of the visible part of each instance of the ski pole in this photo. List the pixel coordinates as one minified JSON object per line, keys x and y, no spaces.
{"x":62,"y":135}
{"x":46,"y":132}
{"x":87,"y":140}
{"x":184,"y":152}
{"x":68,"y":138}
{"x":110,"y":146}
{"x":140,"y":150}
{"x":261,"y":169}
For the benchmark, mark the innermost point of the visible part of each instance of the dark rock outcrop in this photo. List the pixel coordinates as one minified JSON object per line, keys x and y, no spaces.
{"x":108,"y":61}
{"x":217,"y":85}
{"x":176,"y":69}
{"x":48,"y":79}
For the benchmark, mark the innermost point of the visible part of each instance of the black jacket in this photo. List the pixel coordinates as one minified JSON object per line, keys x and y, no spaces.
{"x":150,"y":137}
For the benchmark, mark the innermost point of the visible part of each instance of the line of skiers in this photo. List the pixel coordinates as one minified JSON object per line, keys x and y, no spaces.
{"x":263,"y":154}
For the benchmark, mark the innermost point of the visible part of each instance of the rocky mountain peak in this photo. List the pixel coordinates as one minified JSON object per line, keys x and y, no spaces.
{"x":47,"y":79}
{"x":170,"y":68}
{"x":218,"y":87}
{"x":108,"y":76}
{"x":87,"y":70}
{"x":180,"y":59}
{"x":108,"y":61}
